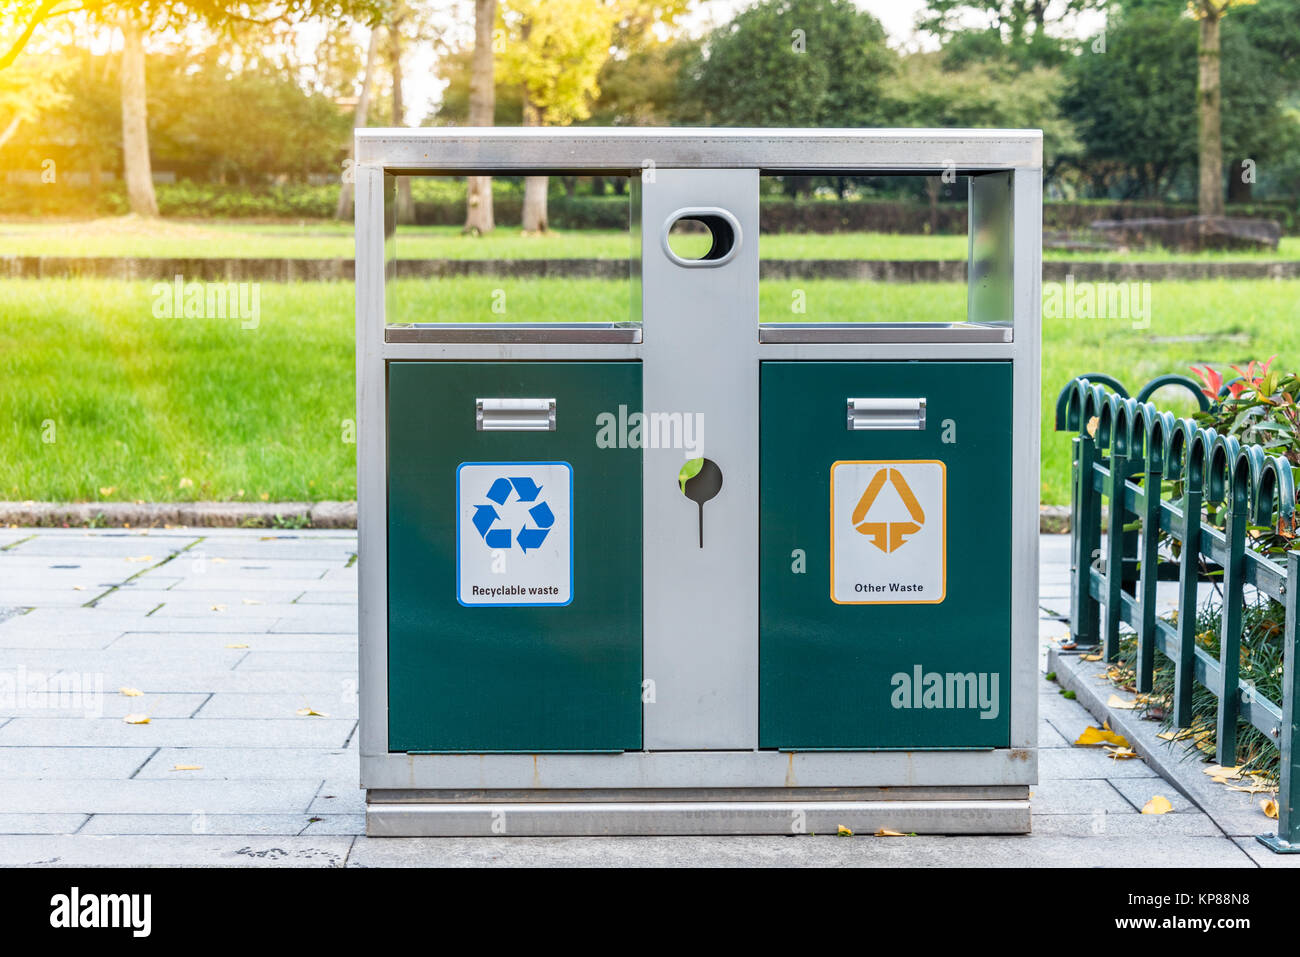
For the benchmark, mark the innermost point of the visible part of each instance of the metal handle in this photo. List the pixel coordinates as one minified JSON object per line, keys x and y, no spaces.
{"x":886,"y":414}
{"x":514,"y":415}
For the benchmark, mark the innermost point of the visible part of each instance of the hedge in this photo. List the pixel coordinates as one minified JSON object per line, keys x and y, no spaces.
{"x":436,"y":204}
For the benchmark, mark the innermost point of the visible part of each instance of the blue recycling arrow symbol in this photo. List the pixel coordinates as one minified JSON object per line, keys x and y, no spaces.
{"x":526,"y":490}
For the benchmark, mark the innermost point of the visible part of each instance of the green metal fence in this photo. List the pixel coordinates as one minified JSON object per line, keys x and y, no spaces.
{"x":1124,"y":452}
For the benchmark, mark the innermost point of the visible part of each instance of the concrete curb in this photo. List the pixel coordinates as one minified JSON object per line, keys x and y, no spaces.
{"x":188,"y":514}
{"x":1052,"y":519}
{"x":1236,"y":813}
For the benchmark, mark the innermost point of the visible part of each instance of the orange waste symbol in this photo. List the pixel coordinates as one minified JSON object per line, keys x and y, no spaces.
{"x":887,"y":536}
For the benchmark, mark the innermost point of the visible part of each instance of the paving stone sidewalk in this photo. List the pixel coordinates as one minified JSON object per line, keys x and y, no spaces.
{"x":230,"y":633}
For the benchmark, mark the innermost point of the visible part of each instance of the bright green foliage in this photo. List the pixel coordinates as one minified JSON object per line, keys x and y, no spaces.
{"x":924,"y":93}
{"x":553,"y":50}
{"x":1134,"y":105}
{"x":793,"y":63}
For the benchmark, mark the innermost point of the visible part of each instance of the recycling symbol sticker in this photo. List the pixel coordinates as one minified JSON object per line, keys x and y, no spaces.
{"x":888,"y":532}
{"x":525,"y":490}
{"x":514,"y":533}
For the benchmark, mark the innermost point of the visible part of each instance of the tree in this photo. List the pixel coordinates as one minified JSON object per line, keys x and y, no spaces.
{"x":479,"y":218}
{"x":1014,"y":28}
{"x":359,"y":116}
{"x":136,"y":19}
{"x":640,"y":81}
{"x":28,"y":91}
{"x":243,"y":124}
{"x":88,"y":117}
{"x":924,"y":94}
{"x":1272,"y":29}
{"x":137,"y":169}
{"x":554,"y":50}
{"x":793,"y":63}
{"x":27,"y":16}
{"x":405,"y":205}
{"x":1209,"y":108}
{"x":643,"y":87}
{"x":1134,"y":106}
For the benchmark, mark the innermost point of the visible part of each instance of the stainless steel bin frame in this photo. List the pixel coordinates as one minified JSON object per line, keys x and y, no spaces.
{"x":729,"y":785}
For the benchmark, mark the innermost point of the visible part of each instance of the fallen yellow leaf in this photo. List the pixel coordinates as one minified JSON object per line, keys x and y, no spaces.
{"x":131,"y":692}
{"x":843,"y":831}
{"x":136,"y":719}
{"x":308,"y":712}
{"x":236,"y":646}
{"x":139,"y":558}
{"x":187,"y":767}
{"x":1120,"y":754}
{"x":1269,"y":808}
{"x":1215,"y":771}
{"x":1256,"y":788}
{"x":885,"y":832}
{"x":1092,"y":736}
{"x":251,"y":601}
{"x":1090,"y":657}
{"x":1158,"y":805}
{"x":1115,"y":701}
{"x":1167,"y":735}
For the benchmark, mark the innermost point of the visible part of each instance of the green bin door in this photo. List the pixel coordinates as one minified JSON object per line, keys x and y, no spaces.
{"x":885,"y":555}
{"x":514,"y":562}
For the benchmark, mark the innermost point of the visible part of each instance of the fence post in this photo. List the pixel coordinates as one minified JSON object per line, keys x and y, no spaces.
{"x":1288,"y":822}
{"x":1287,"y":838}
{"x":1084,"y":611}
{"x":1119,"y":466}
{"x":1146,"y":656}
{"x":1189,"y":567}
{"x":1234,"y":582}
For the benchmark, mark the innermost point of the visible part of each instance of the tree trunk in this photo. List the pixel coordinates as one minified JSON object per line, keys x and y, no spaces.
{"x":933,"y":187}
{"x":358,"y":121}
{"x":479,"y":217}
{"x":405,"y":206}
{"x":534,"y":186}
{"x":135,"y":123}
{"x":1239,"y":182}
{"x":1210,"y":196}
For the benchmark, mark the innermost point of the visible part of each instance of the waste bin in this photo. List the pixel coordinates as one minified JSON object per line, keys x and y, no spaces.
{"x":702,"y":567}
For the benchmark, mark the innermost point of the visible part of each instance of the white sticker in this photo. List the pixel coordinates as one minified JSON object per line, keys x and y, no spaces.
{"x":888,"y":534}
{"x":514,"y":533}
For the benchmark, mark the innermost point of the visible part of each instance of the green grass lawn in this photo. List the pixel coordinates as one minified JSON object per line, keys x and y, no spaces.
{"x":315,"y":240}
{"x":184,"y":409}
{"x":174,"y":409}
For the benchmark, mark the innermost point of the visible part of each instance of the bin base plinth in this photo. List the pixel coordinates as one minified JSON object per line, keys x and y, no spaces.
{"x":1005,"y":810}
